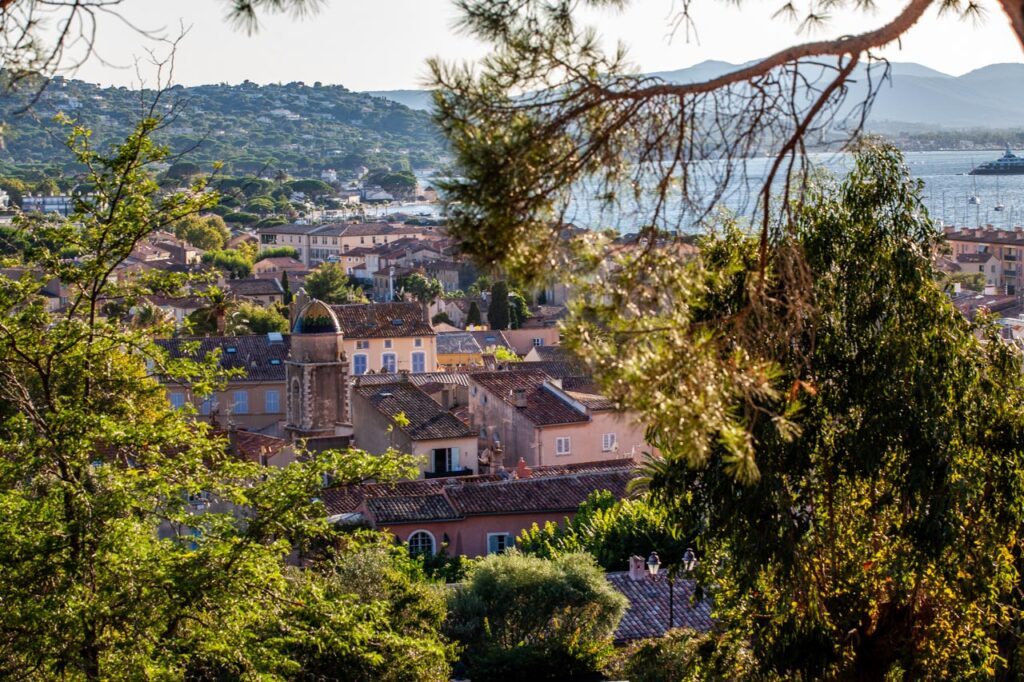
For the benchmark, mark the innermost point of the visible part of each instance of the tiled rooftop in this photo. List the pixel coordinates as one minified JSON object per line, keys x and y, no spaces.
{"x":418,"y":378}
{"x":542,"y":406}
{"x":381,"y":320}
{"x":460,"y":343}
{"x":402,"y":509}
{"x":552,"y":491}
{"x":260,"y":357}
{"x":256,"y":287}
{"x":427,"y":419}
{"x":648,"y":612}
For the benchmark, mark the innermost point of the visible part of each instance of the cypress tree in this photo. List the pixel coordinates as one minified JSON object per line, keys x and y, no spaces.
{"x":473,"y":316}
{"x":497,"y":310}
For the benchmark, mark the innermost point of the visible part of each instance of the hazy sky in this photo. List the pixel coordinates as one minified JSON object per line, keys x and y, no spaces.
{"x":382,"y":44}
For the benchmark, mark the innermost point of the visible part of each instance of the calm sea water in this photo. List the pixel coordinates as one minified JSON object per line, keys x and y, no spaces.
{"x":947,"y":191}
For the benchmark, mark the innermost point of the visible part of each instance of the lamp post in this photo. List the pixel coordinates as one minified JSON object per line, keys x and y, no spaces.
{"x":653,"y":564}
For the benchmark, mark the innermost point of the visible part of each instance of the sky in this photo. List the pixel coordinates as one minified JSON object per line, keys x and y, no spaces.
{"x":383,"y":44}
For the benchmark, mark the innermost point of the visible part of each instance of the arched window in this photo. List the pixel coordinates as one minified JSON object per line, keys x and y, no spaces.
{"x":421,"y":542}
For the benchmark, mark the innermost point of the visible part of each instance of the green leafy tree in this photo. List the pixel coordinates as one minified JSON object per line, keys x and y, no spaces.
{"x":236,"y":262}
{"x":871,"y":455}
{"x":441,"y":318}
{"x":260,"y":206}
{"x":502,"y":354}
{"x":278,"y":252}
{"x":311,"y":188}
{"x":473,"y":315}
{"x":212,"y":318}
{"x":498,"y":315}
{"x":330,"y":284}
{"x":401,"y":184}
{"x":252,"y":318}
{"x":611,"y":531}
{"x":109,"y":571}
{"x":424,"y":289}
{"x":682,"y":655}
{"x":524,"y":618}
{"x":205,"y":232}
{"x":183,"y":170}
{"x":518,"y":310}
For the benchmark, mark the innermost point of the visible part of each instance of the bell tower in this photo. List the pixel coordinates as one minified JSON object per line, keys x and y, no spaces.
{"x":316,"y":375}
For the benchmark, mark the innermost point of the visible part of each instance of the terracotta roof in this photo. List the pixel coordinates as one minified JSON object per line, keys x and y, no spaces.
{"x":553,"y":354}
{"x":586,"y":391}
{"x":544,"y":494}
{"x":490,"y":338}
{"x":987,"y":235}
{"x":250,"y":445}
{"x":555,"y":368}
{"x":417,"y":379}
{"x":456,"y":498}
{"x":543,"y":407}
{"x":460,"y":343}
{"x":256,"y":287}
{"x":348,"y":498}
{"x":281,"y":262}
{"x":260,"y":357}
{"x":648,"y":612}
{"x":380,"y":320}
{"x":402,"y":509}
{"x":427,"y":419}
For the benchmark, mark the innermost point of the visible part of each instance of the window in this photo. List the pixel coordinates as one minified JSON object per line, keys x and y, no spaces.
{"x":499,"y":542}
{"x":538,"y":342}
{"x":362,"y":345}
{"x":207,"y":405}
{"x":418,"y":343}
{"x":387,"y":343}
{"x":177,"y":400}
{"x":359,"y":364}
{"x":240,"y":402}
{"x":607,"y":442}
{"x":445,"y":460}
{"x":562,"y":445}
{"x":271,"y":401}
{"x":419,"y":362}
{"x":421,"y":542}
{"x":388,"y":363}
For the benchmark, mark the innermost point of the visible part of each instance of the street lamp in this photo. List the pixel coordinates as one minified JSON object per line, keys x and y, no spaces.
{"x":653,"y":564}
{"x":689,"y":560}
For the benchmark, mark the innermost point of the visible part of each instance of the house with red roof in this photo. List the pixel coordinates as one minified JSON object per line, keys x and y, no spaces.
{"x":475,"y":515}
{"x":546,"y":420}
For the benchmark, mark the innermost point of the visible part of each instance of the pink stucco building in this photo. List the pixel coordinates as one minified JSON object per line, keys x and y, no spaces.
{"x":475,"y":515}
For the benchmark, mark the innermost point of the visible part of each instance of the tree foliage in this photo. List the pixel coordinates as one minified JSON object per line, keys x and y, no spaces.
{"x":855,"y":471}
{"x":524,"y":618}
{"x":611,"y":531}
{"x":424,"y":289}
{"x":498,"y":315}
{"x":330,"y":284}
{"x":473,"y":315}
{"x":133,"y":544}
{"x":204,"y":232}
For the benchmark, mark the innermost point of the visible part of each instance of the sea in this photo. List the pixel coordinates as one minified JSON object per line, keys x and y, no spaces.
{"x":947,"y":191}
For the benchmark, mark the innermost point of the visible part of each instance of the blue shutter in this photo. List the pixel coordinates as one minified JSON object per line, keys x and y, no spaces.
{"x":453,"y":459}
{"x":419,"y":362}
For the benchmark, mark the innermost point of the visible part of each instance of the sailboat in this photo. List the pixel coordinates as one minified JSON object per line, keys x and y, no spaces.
{"x":1000,"y":206}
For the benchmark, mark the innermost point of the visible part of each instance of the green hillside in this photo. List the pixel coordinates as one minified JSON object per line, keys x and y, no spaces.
{"x":298,"y":128}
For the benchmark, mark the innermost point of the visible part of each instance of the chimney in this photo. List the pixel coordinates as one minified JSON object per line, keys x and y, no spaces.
{"x":519,"y":397}
{"x":523,"y":471}
{"x":637,"y":568}
{"x":446,"y":398}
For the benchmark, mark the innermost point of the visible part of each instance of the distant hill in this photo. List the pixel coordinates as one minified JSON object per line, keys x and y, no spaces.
{"x":918,"y":97}
{"x":298,"y":128}
{"x":421,"y":100}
